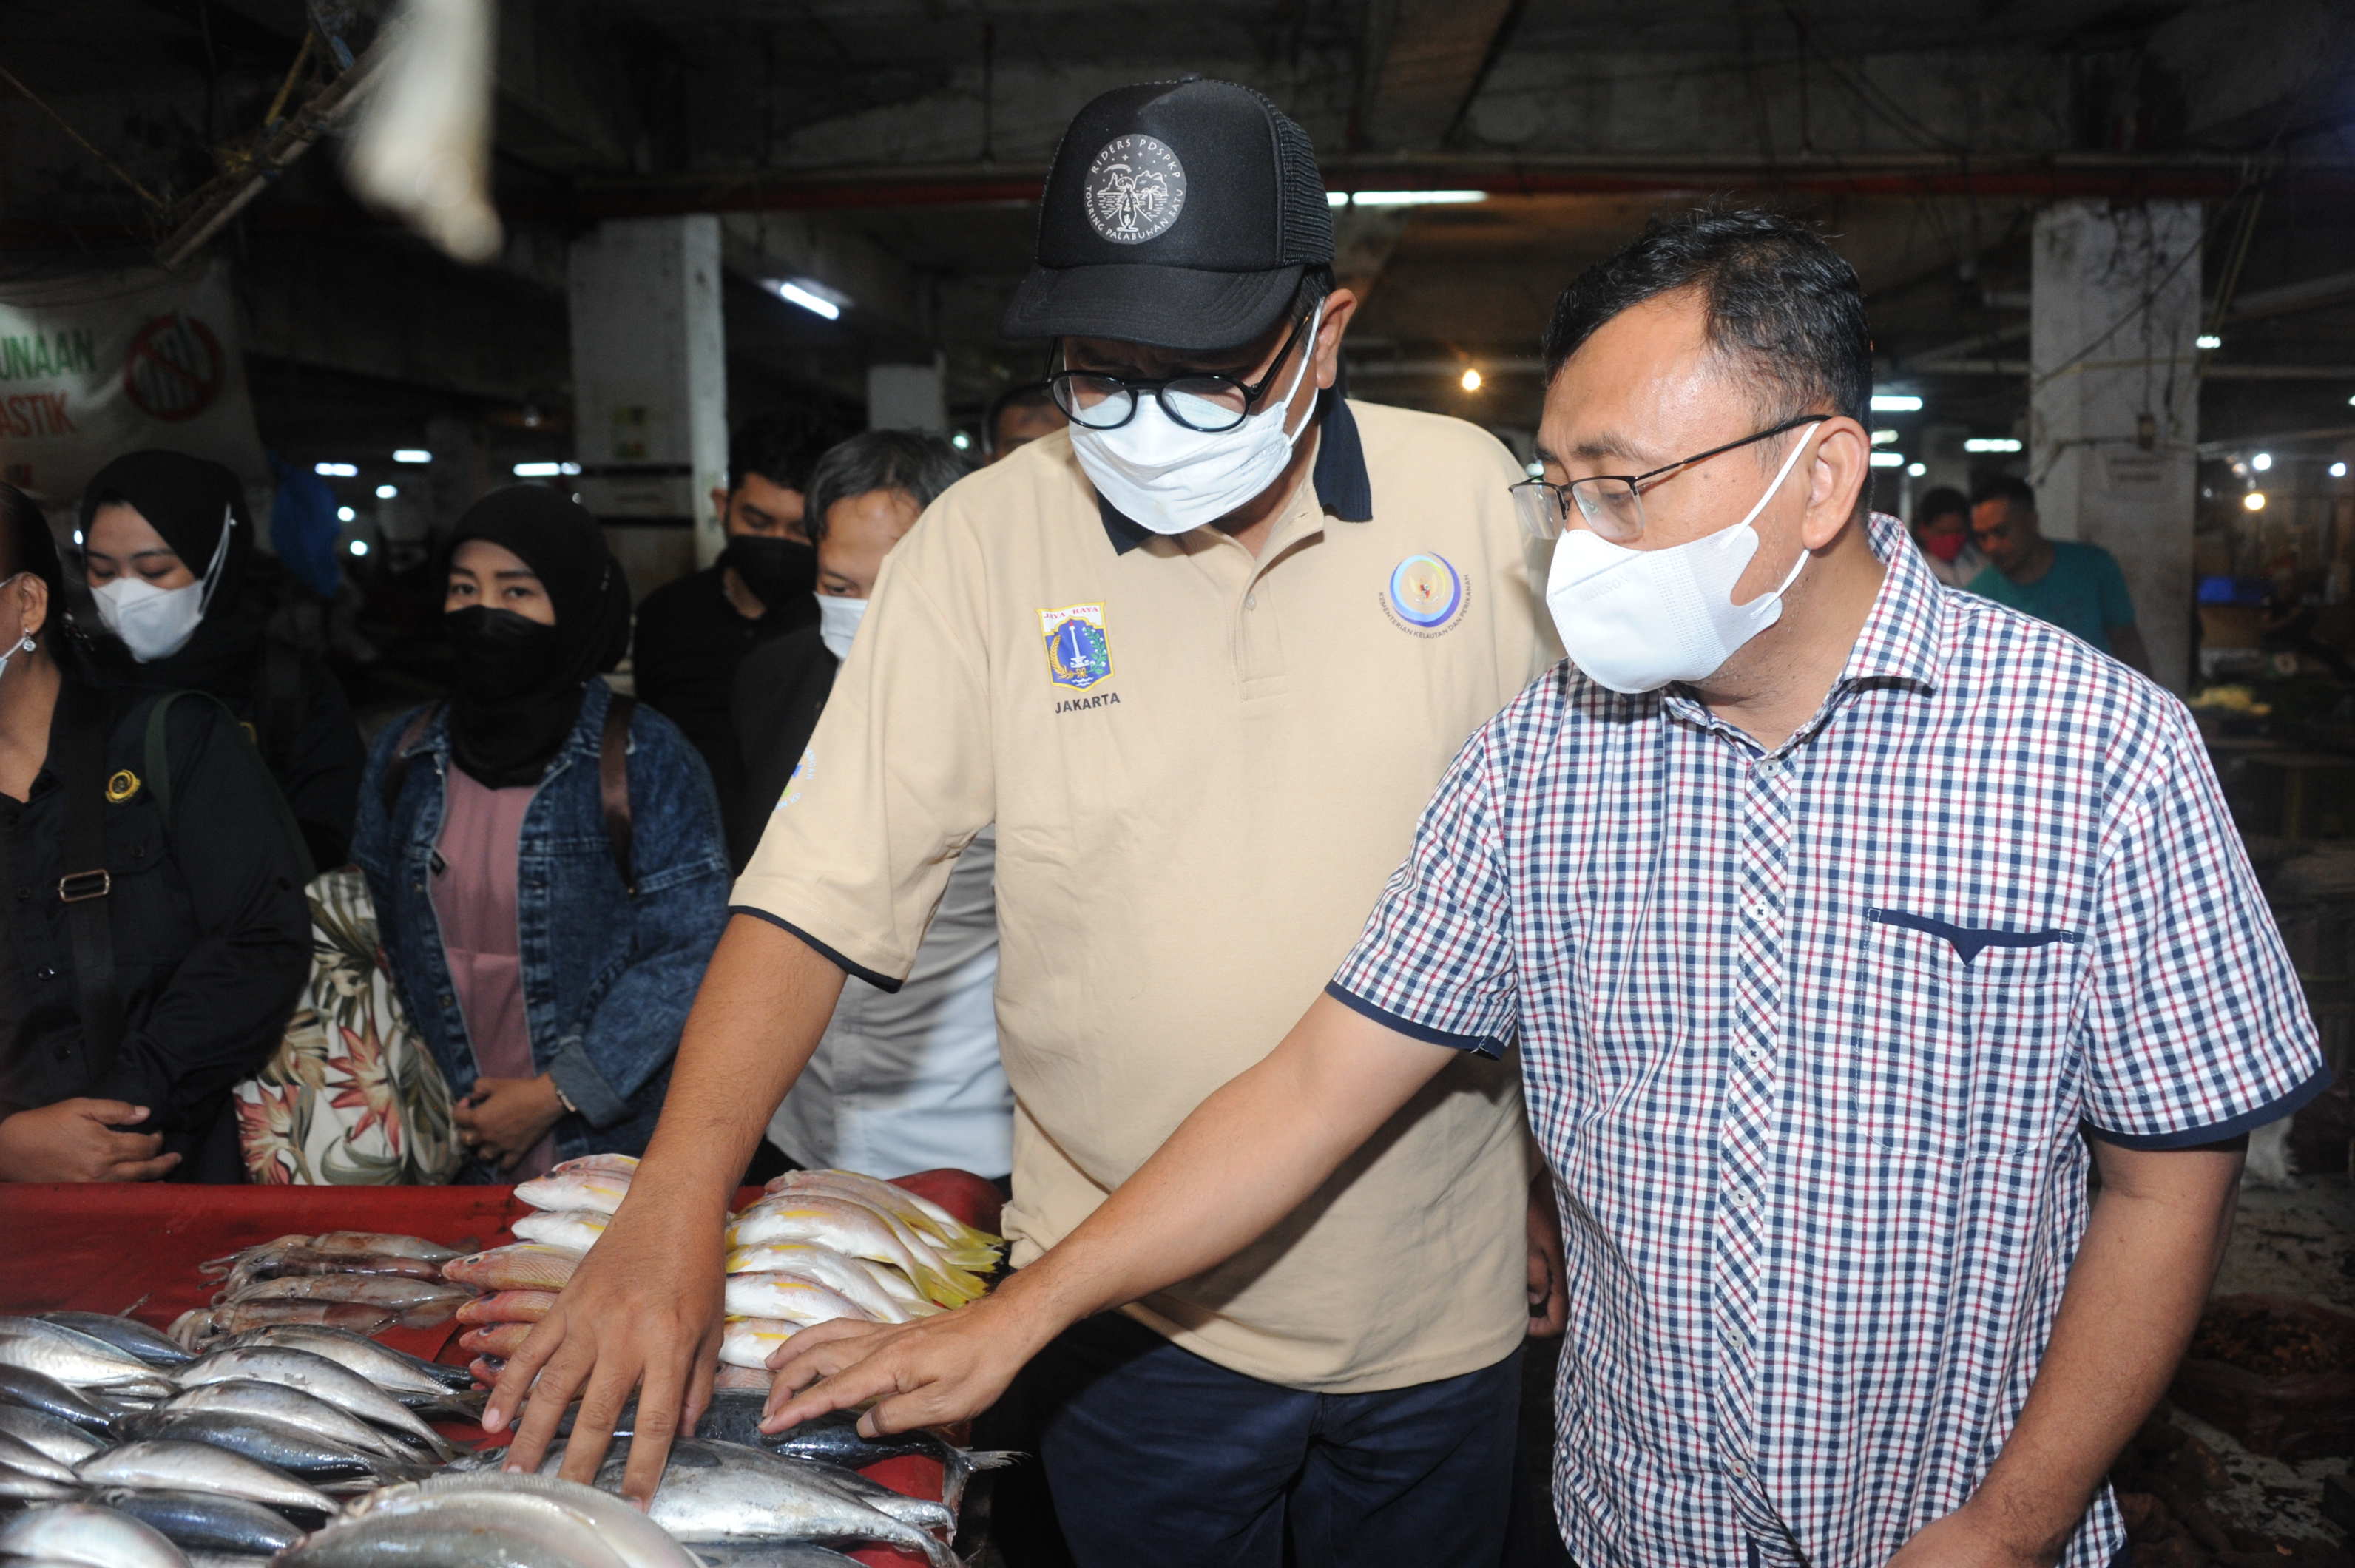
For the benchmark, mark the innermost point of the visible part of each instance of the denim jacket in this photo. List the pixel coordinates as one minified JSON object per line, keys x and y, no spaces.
{"x":607,"y":976}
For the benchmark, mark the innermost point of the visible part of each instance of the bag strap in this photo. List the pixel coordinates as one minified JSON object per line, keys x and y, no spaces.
{"x":614,"y":784}
{"x":159,"y":774}
{"x":81,"y":772}
{"x":396,"y":773}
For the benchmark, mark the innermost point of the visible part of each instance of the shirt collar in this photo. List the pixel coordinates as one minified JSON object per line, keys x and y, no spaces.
{"x":1343,"y":487}
{"x":1898,"y":646}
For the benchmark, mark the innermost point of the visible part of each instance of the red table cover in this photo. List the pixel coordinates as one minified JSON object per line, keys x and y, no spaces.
{"x":135,"y":1248}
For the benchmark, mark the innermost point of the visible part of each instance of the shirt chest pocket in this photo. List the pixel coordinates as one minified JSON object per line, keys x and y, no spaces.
{"x":1965,"y":1036}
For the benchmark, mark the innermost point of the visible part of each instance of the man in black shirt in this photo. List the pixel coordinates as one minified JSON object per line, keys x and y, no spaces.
{"x":692,"y":632}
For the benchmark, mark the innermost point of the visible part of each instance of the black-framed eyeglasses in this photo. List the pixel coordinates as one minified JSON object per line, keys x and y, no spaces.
{"x":1613,"y":503}
{"x":1208,"y":403}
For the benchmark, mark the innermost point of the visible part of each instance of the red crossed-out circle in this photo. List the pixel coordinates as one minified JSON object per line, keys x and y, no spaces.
{"x":174,"y":368}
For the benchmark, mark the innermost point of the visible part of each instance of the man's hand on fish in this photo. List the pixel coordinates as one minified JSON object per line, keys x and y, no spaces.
{"x":934,"y":1371}
{"x":81,"y":1140}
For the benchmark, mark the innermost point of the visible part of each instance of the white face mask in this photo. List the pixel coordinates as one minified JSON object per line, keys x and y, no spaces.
{"x":1634,"y":620}
{"x":156,"y":623}
{"x":837,"y":623}
{"x":1171,"y":479}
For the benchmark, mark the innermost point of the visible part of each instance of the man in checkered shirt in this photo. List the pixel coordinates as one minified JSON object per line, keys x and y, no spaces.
{"x":1835,"y":949}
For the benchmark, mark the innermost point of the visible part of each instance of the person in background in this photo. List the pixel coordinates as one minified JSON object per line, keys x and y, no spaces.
{"x":1942,"y":530}
{"x":1819,"y":1078}
{"x":2077,"y":587}
{"x":193,"y":918}
{"x":692,"y":632}
{"x":167,"y":544}
{"x":545,"y":951}
{"x":1018,"y":416}
{"x":907,"y":1080}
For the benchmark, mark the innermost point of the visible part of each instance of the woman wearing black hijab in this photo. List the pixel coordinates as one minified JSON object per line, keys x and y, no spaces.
{"x":546,"y":857}
{"x":167,"y":546}
{"x":148,"y":958}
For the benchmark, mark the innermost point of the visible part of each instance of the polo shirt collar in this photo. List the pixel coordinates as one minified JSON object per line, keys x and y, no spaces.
{"x":1343,"y":487}
{"x":1899,"y":644}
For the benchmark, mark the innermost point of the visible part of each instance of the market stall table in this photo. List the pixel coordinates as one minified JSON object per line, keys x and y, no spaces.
{"x":135,"y":1248}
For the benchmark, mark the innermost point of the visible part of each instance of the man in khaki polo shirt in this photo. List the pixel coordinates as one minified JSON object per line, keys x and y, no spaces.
{"x":1200,"y":659}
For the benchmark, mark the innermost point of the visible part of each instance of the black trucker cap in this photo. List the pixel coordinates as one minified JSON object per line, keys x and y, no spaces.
{"x":1180,"y":214}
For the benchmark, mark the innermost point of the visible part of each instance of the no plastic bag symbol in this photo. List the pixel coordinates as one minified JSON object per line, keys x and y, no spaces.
{"x":174,"y":368}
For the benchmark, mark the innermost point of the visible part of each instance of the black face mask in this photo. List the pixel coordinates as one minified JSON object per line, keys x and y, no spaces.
{"x":777,"y":571}
{"x":511,"y":710}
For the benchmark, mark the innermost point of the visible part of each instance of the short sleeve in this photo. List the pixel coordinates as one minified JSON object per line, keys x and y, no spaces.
{"x":2199,"y":1029}
{"x":2118,"y":605}
{"x":896,"y":780}
{"x":1435,"y":960}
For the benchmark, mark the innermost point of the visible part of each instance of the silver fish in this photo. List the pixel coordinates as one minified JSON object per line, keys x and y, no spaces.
{"x":320,"y":1461}
{"x":200,"y":1521}
{"x":403,"y":1376}
{"x":21,"y":1455}
{"x":127,"y":1335}
{"x":772,"y":1554}
{"x":290,"y":1406}
{"x":637,"y":1540}
{"x":75,"y":1359}
{"x":16,"y":1487}
{"x":82,"y":1533}
{"x":316,"y":1375}
{"x":198,"y":1468}
{"x":463,"y":1529}
{"x":60,"y":1440}
{"x":724,"y":1491}
{"x":37,"y":1391}
{"x":392,"y":1293}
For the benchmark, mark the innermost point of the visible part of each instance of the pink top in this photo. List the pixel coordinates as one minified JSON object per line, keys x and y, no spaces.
{"x":475,"y":902}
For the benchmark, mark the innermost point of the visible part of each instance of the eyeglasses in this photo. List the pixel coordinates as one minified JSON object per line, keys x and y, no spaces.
{"x":1613,"y":503}
{"x":1206,"y":403}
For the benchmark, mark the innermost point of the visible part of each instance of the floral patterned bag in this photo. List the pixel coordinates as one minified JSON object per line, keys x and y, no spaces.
{"x":353,"y":1097}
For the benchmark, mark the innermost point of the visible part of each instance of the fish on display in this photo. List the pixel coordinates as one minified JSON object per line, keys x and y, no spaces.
{"x":749,"y":1343}
{"x":202,"y":1325}
{"x":60,"y":1440}
{"x":276,"y":1402}
{"x":73,"y":1358}
{"x":500,"y":1339}
{"x":393,"y":1293}
{"x":523,"y":1266}
{"x":791,"y":1298}
{"x":37,"y":1391}
{"x":881,"y":1290}
{"x":202,"y":1467}
{"x":960,"y":1241}
{"x":635,"y":1538}
{"x":127,"y":1335}
{"x":725,"y":1492}
{"x":508,"y":1307}
{"x":82,"y":1533}
{"x":412,"y":1379}
{"x":772,"y":1554}
{"x":576,"y":1229}
{"x":374,"y":1241}
{"x":834,"y":1439}
{"x":23,"y":1457}
{"x":856,"y":1230}
{"x":16,"y":1487}
{"x":280,"y":1444}
{"x":602,"y":1190}
{"x":200,"y":1521}
{"x":316,"y":1375}
{"x":479,"y":1529}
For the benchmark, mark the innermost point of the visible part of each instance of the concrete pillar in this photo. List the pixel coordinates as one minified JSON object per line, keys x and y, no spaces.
{"x":908,"y":397}
{"x":650,"y":390}
{"x":1939,"y":450}
{"x":2114,"y":399}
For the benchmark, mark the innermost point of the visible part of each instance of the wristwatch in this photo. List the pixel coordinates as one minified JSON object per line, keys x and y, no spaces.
{"x":563,"y":1099}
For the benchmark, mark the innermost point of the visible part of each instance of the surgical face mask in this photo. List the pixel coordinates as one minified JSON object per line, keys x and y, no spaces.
{"x":1634,"y":620}
{"x":837,"y":623}
{"x":1171,"y":479}
{"x":156,"y":623}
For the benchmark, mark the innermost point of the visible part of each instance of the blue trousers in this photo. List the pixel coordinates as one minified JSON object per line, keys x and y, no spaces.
{"x":1160,"y":1459}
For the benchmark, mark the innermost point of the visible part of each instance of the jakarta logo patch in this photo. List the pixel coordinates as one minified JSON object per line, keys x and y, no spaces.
{"x":1425,"y":594}
{"x":1135,"y":190}
{"x":1078,"y":654}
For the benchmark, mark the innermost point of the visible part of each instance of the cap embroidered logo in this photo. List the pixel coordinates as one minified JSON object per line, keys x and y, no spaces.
{"x":1135,"y":189}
